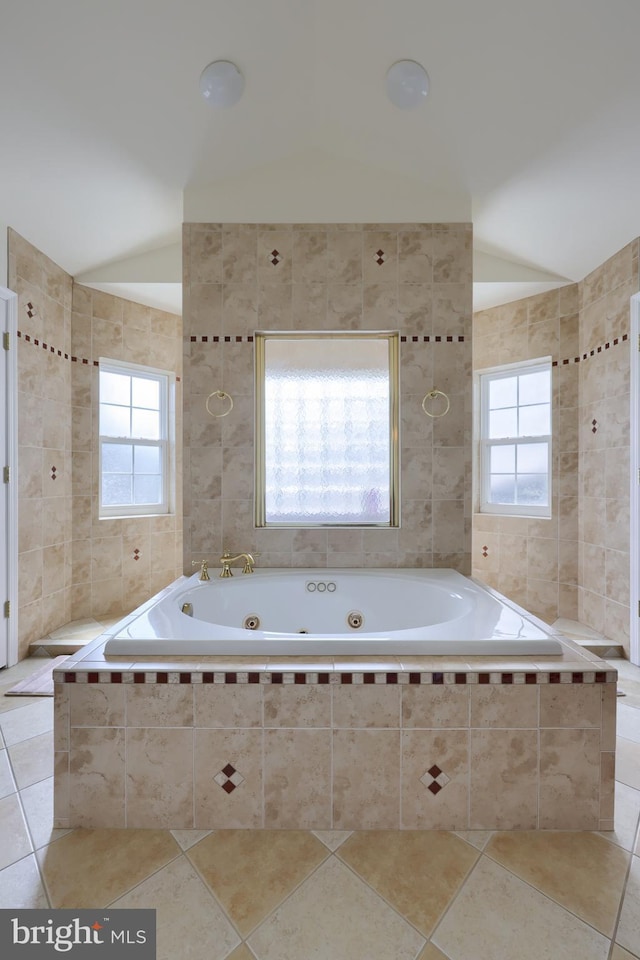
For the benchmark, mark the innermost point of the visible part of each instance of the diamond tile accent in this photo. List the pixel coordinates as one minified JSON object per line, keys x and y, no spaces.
{"x":435,"y":779}
{"x":136,"y":554}
{"x":485,"y":551}
{"x":380,"y":257}
{"x":53,"y":472}
{"x":31,"y":310}
{"x":275,"y":257}
{"x":594,"y":426}
{"x":228,"y":778}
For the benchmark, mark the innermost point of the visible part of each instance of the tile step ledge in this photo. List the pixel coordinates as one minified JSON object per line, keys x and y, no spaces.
{"x":55,"y":648}
{"x":603,"y":648}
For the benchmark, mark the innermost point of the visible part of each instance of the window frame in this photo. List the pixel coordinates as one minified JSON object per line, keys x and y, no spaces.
{"x":485,"y":444}
{"x":392,"y":338}
{"x":166,"y":443}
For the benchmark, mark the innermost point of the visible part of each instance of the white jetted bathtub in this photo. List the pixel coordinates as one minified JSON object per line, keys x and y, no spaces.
{"x":290,"y":612}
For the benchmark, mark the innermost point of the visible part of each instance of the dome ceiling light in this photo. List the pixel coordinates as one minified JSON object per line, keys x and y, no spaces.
{"x":407,"y":84}
{"x":221,"y":83}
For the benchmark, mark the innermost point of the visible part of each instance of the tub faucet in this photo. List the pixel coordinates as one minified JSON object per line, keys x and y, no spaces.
{"x":226,"y":560}
{"x":204,"y":568}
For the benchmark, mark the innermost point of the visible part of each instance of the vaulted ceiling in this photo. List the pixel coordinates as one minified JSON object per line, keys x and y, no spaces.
{"x":530,"y":129}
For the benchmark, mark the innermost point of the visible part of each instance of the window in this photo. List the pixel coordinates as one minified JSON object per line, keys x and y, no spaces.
{"x":327,"y":415}
{"x":135,"y":438}
{"x":515,"y":439}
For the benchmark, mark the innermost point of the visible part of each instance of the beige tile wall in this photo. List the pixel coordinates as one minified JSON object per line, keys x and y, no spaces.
{"x":603,"y":559}
{"x":72,"y":565}
{"x":328,"y":277}
{"x":44,"y":440}
{"x":535,"y":561}
{"x":117,"y":564}
{"x":575,"y":565}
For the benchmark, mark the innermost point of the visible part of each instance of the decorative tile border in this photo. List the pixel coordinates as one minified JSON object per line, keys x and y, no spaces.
{"x":404,"y":338}
{"x":45,"y":346}
{"x":314,"y":678}
{"x":428,"y":338}
{"x":591,"y":353}
{"x":66,"y":356}
{"x":215,"y":339}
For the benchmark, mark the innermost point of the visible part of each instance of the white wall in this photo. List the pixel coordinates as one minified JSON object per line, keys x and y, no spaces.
{"x":4,"y":253}
{"x":315,"y":187}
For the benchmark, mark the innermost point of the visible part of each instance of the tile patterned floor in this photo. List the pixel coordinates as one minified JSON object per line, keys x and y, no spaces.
{"x":297,"y":895}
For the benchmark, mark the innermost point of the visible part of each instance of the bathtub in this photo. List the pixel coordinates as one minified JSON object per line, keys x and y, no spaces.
{"x":316,"y":612}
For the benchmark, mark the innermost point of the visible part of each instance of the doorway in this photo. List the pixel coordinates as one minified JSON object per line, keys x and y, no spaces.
{"x":9,"y":469}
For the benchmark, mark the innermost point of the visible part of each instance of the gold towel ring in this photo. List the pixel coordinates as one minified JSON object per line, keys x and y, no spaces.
{"x":221,"y":395}
{"x":431,"y":396}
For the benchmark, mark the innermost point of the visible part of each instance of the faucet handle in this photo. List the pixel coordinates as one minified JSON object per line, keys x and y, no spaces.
{"x":204,"y":568}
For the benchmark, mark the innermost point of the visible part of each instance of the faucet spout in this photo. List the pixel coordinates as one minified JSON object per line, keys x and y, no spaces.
{"x":226,"y":560}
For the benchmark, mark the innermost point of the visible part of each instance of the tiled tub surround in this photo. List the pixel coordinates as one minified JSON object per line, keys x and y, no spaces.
{"x":414,"y":278}
{"x":336,"y":744}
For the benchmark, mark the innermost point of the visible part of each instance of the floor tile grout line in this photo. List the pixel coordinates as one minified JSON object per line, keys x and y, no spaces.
{"x":144,"y":879}
{"x":12,"y":774}
{"x":211,"y":891}
{"x":39,"y":871}
{"x":20,"y":791}
{"x":43,"y":881}
{"x":18,"y":794}
{"x":532,"y":887}
{"x":382,"y":897}
{"x":34,"y":849}
{"x":423,"y":947}
{"x":455,"y":896}
{"x":243,"y":943}
{"x":635,"y":843}
{"x":621,"y":904}
{"x":34,"y":854}
{"x":551,"y":899}
{"x":291,"y":892}
{"x":444,"y":953}
{"x":34,"y":782}
{"x":18,"y":800}
{"x":32,"y":736}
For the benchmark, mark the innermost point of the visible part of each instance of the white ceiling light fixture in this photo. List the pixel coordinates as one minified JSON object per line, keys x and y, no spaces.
{"x":407,"y":84}
{"x":221,"y":83}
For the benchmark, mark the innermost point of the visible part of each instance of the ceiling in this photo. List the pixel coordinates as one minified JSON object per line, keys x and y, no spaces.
{"x":530,"y":129}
